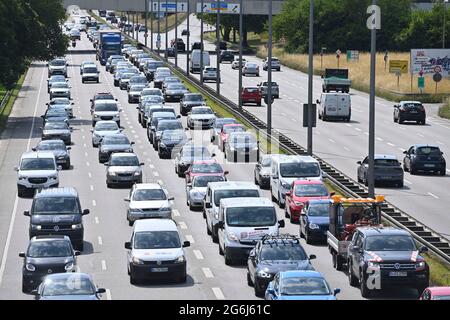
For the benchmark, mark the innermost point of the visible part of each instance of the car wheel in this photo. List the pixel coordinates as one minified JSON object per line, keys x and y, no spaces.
{"x":291,"y":219}
{"x":249,"y":280}
{"x":286,"y":213}
{"x":365,"y":292}
{"x":130,"y":223}
{"x":67,"y":165}
{"x":215,"y":236}
{"x":307,"y":238}
{"x":228,"y":260}
{"x":400,"y":184}
{"x":366,"y":181}
{"x":352,"y":280}
{"x":273,"y":198}
{"x":25,"y":289}
{"x":108,"y":185}
{"x":424,"y":122}
{"x":259,"y":292}
{"x":208,"y":232}
{"x":400,"y":121}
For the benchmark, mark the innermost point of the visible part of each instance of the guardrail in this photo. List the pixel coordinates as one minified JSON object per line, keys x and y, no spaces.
{"x":5,"y":100}
{"x":425,"y":235}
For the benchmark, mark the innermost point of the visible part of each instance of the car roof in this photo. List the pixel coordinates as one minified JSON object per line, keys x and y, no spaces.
{"x":53,"y":141}
{"x":294,"y":159}
{"x":37,"y":154}
{"x":307,"y":181}
{"x":222,"y":185}
{"x":155,"y":225}
{"x":246,"y":202}
{"x":440,"y":290}
{"x":105,"y":101}
{"x":425,"y":145}
{"x":57,"y":192}
{"x":376,"y":231}
{"x":49,"y":237}
{"x":154,"y":185}
{"x":385,"y":157}
{"x":123,"y":154}
{"x":300,"y":273}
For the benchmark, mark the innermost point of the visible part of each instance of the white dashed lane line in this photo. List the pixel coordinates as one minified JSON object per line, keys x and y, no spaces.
{"x":91,"y":187}
{"x":190,"y":238}
{"x":96,"y":220}
{"x":407,"y":181}
{"x":433,"y":195}
{"x":331,"y":140}
{"x":182,"y":225}
{"x":347,"y":149}
{"x":94,"y":203}
{"x":379,"y":139}
{"x":218,"y":293}
{"x":176,"y":213}
{"x":208,"y":273}
{"x":358,"y":129}
{"x":90,"y":175}
{"x":151,"y":165}
{"x":103,"y":265}
{"x":108,"y":294}
{"x":198,"y":254}
{"x":87,"y":163}
{"x":100,"y":240}
{"x":155,"y":173}
{"x":391,"y":144}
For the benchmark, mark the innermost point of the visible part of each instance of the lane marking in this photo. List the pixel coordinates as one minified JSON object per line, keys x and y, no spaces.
{"x":84,"y":145}
{"x":358,"y":129}
{"x":90,"y":175}
{"x":84,"y":137}
{"x":198,"y":254}
{"x":331,"y":140}
{"x":391,"y":144}
{"x":433,"y":195}
{"x":407,"y":181}
{"x":207,"y":272}
{"x":96,"y":220}
{"x":87,"y":163}
{"x":92,"y":187}
{"x":347,"y":149}
{"x":420,"y":135}
{"x":218,"y":293}
{"x":155,"y":173}
{"x":366,"y":133}
{"x":94,"y":203}
{"x":103,"y":265}
{"x":161,"y":182}
{"x":401,"y":149}
{"x":176,"y":213}
{"x":136,"y":136}
{"x":182,"y":225}
{"x":190,"y":238}
{"x":108,"y":294}
{"x":85,"y":154}
{"x":145,"y":153}
{"x":348,"y":125}
{"x":100,"y":240}
{"x":379,"y":139}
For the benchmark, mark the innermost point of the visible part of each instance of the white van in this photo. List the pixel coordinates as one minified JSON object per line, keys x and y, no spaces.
{"x":242,"y":223}
{"x":335,"y":106}
{"x":155,"y":251}
{"x":286,"y":169}
{"x":216,"y":191}
{"x":195,"y":60}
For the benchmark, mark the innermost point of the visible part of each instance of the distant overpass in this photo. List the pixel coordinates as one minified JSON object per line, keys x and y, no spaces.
{"x":259,"y":7}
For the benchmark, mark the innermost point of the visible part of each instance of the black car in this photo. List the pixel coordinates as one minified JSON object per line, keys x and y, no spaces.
{"x":181,"y":47}
{"x":388,"y":170}
{"x":427,"y":158}
{"x":46,"y":255}
{"x":226,"y":55}
{"x":58,"y":148}
{"x":222,"y":45}
{"x":170,"y":143}
{"x":57,"y":211}
{"x":58,"y":131}
{"x":315,"y":221}
{"x":273,"y":254}
{"x":162,"y":126}
{"x":101,"y":96}
{"x":197,"y":46}
{"x":409,"y":111}
{"x":185,"y":32}
{"x":150,"y":68}
{"x":190,"y":100}
{"x":187,"y":155}
{"x":113,"y":143}
{"x":389,"y":254}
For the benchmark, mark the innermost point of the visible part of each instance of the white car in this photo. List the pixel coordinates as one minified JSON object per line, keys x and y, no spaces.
{"x":235,"y":63}
{"x":60,"y":90}
{"x":201,"y":117}
{"x":210,"y":73}
{"x":102,"y":129}
{"x":156,"y":251}
{"x":36,"y":170}
{"x":57,"y":66}
{"x":90,"y":73}
{"x":148,"y":200}
{"x":106,"y":110}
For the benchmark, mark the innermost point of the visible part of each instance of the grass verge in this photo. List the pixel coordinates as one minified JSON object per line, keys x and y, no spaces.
{"x":444,"y":111}
{"x":4,"y":114}
{"x":162,"y":22}
{"x":439,"y":271}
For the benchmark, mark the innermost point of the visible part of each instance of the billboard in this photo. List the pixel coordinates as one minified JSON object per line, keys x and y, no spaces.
{"x":430,"y":61}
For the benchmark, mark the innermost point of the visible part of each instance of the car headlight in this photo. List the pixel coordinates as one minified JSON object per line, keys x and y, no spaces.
{"x":373,"y":265}
{"x":136,"y":260}
{"x":180,"y":259}
{"x":162,"y":145}
{"x":36,"y":227}
{"x":77,"y":226}
{"x":299,"y":204}
{"x":285,"y":185}
{"x":23,"y":178}
{"x":137,"y":173}
{"x":313,"y":226}
{"x":112,"y":173}
{"x":165,"y":209}
{"x":232,"y":237}
{"x":264,"y":274}
{"x":30,"y":267}
{"x":420,"y":265}
{"x":69,"y":266}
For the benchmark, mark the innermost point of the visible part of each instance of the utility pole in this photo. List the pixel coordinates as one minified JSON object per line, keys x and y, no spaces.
{"x":167,"y":35}
{"x":218,"y":48}
{"x":445,"y":23}
{"x":269,"y":75}
{"x":158,"y":38}
{"x":176,"y":33}
{"x":241,"y":42}
{"x":146,"y":23}
{"x":187,"y":40}
{"x":201,"y":43}
{"x":310,"y":77}
{"x":151,"y":26}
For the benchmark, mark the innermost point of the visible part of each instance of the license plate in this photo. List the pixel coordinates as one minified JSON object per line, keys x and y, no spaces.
{"x":251,"y":99}
{"x":414,"y":112}
{"x":36,"y":185}
{"x":332,"y":109}
{"x":159,"y":269}
{"x":429,"y":165}
{"x":398,"y":274}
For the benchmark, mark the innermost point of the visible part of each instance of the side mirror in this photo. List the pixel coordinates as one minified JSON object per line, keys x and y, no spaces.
{"x":220,"y":224}
{"x":171,"y":199}
{"x":423,"y":249}
{"x":213,"y":155}
{"x":77,"y":253}
{"x":16,"y":168}
{"x":226,"y":173}
{"x":332,"y":194}
{"x":128,"y":245}
{"x":318,"y":101}
{"x":101,"y":290}
{"x":132,"y":143}
{"x":142,"y":163}
{"x":281,"y":224}
{"x":208,"y":205}
{"x":312,"y":257}
{"x":186,"y":244}
{"x":288,"y":194}
{"x":336,"y":291}
{"x":178,"y":116}
{"x":47,"y":104}
{"x":189,"y":185}
{"x":92,"y":130}
{"x":405,"y":152}
{"x":34,"y":149}
{"x":69,"y":148}
{"x":22,"y":254}
{"x":26,"y":213}
{"x":59,"y":168}
{"x":86,"y":212}
{"x":126,"y":200}
{"x":72,"y":103}
{"x":359,"y":162}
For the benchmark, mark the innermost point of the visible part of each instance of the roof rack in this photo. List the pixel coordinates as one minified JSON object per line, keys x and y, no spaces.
{"x":284,"y":238}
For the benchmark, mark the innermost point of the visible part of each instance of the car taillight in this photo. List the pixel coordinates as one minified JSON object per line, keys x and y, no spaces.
{"x":422,"y":109}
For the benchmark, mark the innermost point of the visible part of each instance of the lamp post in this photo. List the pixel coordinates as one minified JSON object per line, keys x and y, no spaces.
{"x":310,"y":77}
{"x":241,"y":41}
{"x":444,"y":26}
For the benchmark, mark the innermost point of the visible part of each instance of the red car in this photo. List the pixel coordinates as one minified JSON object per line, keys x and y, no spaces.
{"x":302,"y":191}
{"x":203,"y":168}
{"x":251,"y":95}
{"x":436,"y":293}
{"x":225,"y":132}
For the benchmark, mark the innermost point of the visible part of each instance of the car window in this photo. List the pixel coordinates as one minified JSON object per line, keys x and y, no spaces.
{"x":124,"y":161}
{"x":299,"y":170}
{"x":239,"y":193}
{"x":201,"y":111}
{"x":56,"y":126}
{"x":37,"y":164}
{"x":202,"y":181}
{"x":251,"y":216}
{"x":293,"y":286}
{"x":194,"y":97}
{"x":390,"y":243}
{"x":55,"y":205}
{"x":318,"y":210}
{"x":283,"y":252}
{"x":47,"y":249}
{"x":428,"y":151}
{"x":90,"y":70}
{"x":311,"y":190}
{"x":60,"y":287}
{"x":206,"y":168}
{"x":157,"y":240}
{"x":149,"y":195}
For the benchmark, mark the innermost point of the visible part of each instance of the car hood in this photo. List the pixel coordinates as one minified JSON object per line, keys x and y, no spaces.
{"x":70,"y":297}
{"x":274,"y":266}
{"x":107,"y":113}
{"x":115,"y":147}
{"x":393,"y":256}
{"x":158,"y":254}
{"x":37,"y":173}
{"x":202,"y":116}
{"x":312,"y":297}
{"x":54,"y":261}
{"x":124,"y":169}
{"x":154,"y":204}
{"x":55,"y":132}
{"x":56,"y":219}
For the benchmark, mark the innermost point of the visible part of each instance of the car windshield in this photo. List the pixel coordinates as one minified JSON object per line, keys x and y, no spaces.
{"x":55,"y":206}
{"x":154,"y":65}
{"x":201,"y":111}
{"x":106,"y":107}
{"x":90,"y":70}
{"x":151,"y":92}
{"x":127,"y":76}
{"x":57,"y":145}
{"x":127,"y":161}
{"x":390,"y":243}
{"x":139,"y":80}
{"x":64,"y":101}
{"x":235,"y":193}
{"x":303,"y":286}
{"x":428,"y":151}
{"x":311,"y":190}
{"x":282,"y":251}
{"x":243,"y":139}
{"x":37,"y":164}
{"x":60,"y":85}
{"x":202,"y":181}
{"x":228,"y":129}
{"x":251,"y":216}
{"x":137,"y":88}
{"x":195,"y":153}
{"x":266,"y":162}
{"x":172,"y":125}
{"x":60,"y":287}
{"x":58,"y":63}
{"x":206,"y":168}
{"x":104,"y":97}
{"x":319,"y":210}
{"x":49,"y":249}
{"x":193,"y":97}
{"x":172,"y":135}
{"x":106,"y":126}
{"x":251,"y":65}
{"x":149,"y":195}
{"x":176,"y":87}
{"x":441,"y":297}
{"x":156,"y":240}
{"x":164,"y":116}
{"x":299,"y":170}
{"x":56,"y":126}
{"x":115,"y":140}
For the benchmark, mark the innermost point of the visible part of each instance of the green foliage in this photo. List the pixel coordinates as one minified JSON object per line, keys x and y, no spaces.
{"x":29,"y":30}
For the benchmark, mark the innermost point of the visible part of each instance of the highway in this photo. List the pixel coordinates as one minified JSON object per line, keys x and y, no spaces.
{"x":106,"y":228}
{"x":424,"y":197}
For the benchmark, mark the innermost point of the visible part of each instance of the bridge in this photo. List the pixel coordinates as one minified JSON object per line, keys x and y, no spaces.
{"x":258,"y":7}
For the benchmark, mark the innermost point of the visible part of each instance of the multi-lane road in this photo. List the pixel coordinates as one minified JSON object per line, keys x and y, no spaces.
{"x":424,"y":197}
{"x":106,"y":228}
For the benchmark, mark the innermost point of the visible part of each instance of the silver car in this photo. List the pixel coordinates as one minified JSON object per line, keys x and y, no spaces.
{"x":196,"y":190}
{"x":102,"y":129}
{"x":60,"y":90}
{"x":62,"y":101}
{"x":250,"y":68}
{"x":135,"y":92}
{"x":123,"y":168}
{"x":57,"y":130}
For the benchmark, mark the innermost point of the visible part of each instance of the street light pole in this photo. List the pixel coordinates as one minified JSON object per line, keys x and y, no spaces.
{"x":187,"y":39}
{"x":167,"y":35}
{"x":146,"y":23}
{"x":310,"y":77}
{"x":158,"y":38}
{"x":444,"y":27}
{"x":176,"y":33}
{"x":218,"y":48}
{"x":151,"y":26}
{"x":241,"y":42}
{"x":201,"y":44}
{"x":269,"y":74}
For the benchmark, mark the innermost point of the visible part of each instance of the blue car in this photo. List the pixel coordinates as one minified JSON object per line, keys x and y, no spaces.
{"x":300,"y":285}
{"x":315,"y":221}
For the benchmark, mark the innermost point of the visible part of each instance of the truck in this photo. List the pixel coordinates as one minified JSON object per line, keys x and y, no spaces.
{"x":195,"y":60}
{"x":336,"y":80}
{"x":110,"y":43}
{"x":346,"y":215}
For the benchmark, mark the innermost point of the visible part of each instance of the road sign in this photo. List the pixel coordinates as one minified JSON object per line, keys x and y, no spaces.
{"x":398,"y":66}
{"x":437,"y":77}
{"x":212,"y":7}
{"x":421,"y":82}
{"x":171,"y":6}
{"x":352,"y":55}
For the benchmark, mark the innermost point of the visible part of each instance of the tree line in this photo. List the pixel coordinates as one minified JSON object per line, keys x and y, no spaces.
{"x":29,"y":31}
